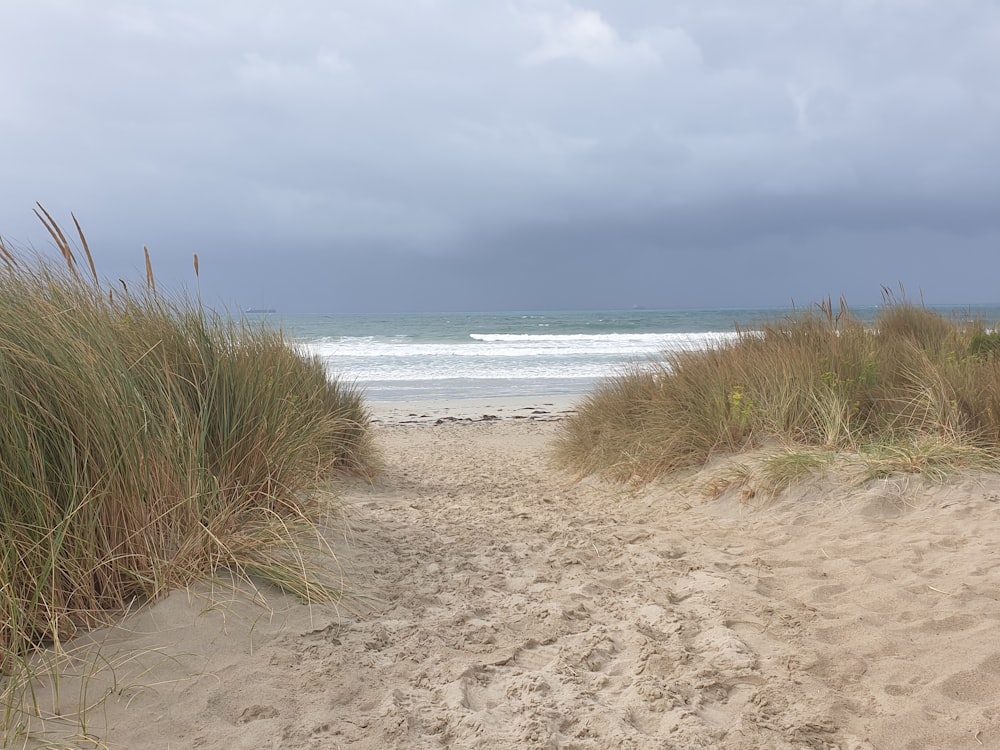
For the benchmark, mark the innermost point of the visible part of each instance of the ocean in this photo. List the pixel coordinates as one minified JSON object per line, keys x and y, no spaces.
{"x":425,"y":356}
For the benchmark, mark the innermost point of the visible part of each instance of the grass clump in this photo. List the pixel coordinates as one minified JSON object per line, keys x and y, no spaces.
{"x":910,"y":383}
{"x":146,"y":442}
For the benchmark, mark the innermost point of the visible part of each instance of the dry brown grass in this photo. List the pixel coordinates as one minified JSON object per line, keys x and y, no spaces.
{"x":818,"y":378}
{"x":146,"y":442}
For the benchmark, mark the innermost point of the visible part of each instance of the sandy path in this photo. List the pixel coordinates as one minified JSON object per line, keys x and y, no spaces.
{"x":529,"y":612}
{"x":512,"y":608}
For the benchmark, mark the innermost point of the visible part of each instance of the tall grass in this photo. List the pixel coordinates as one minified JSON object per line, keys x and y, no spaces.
{"x":144,"y":442}
{"x":818,"y":378}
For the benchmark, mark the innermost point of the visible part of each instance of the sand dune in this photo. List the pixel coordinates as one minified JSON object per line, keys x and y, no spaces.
{"x":505,"y":606}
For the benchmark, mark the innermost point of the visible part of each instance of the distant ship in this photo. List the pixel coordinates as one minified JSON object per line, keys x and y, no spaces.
{"x":260,"y":310}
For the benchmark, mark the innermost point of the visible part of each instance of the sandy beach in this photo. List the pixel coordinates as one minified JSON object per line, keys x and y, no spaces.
{"x":495,"y":603}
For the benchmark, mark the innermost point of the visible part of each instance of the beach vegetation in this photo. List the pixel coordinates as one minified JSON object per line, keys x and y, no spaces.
{"x":985,"y":344}
{"x":914,"y":388}
{"x":146,"y":442}
{"x":761,"y":474}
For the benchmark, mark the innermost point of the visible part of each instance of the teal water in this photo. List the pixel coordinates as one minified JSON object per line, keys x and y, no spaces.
{"x":469,"y":355}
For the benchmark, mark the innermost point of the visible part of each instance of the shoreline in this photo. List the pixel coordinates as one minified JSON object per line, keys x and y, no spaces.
{"x":547,"y":407}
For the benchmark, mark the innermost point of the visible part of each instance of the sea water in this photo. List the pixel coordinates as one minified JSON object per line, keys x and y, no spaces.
{"x":426,"y":356}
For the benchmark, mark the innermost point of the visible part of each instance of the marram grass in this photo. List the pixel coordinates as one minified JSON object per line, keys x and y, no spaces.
{"x":916,"y":384}
{"x":146,"y":442}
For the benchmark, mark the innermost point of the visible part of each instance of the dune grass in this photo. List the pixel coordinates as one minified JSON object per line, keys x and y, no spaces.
{"x":146,"y":442}
{"x":916,"y":388}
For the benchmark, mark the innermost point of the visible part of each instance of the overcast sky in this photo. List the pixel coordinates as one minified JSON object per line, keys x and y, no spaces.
{"x":394,"y":155}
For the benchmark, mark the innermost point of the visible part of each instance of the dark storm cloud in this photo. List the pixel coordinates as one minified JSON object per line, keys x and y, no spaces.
{"x":437,"y":154}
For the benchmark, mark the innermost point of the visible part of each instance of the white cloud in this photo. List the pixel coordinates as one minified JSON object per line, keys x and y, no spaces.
{"x":584,"y":35}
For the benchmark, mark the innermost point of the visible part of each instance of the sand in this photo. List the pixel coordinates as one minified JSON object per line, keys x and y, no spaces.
{"x":500,"y":605}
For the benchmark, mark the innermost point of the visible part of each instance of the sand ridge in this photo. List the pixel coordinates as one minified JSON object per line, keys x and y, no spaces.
{"x":510,"y":607}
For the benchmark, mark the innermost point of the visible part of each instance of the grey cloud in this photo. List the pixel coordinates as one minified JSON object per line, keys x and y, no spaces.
{"x":439,"y":144}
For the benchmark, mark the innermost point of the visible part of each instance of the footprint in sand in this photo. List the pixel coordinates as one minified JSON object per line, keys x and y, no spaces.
{"x":991,"y":664}
{"x":256,"y":713}
{"x":972,"y":686}
{"x":535,"y":656}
